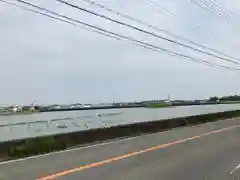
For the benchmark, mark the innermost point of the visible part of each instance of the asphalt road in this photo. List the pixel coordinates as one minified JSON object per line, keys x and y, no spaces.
{"x":205,"y":152}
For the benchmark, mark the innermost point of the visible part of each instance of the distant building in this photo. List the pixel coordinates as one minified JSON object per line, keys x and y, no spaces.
{"x":155,"y":102}
{"x":77,"y":105}
{"x":55,"y":106}
{"x":13,"y":108}
{"x":86,"y":105}
{"x":102,"y":105}
{"x":28,"y":108}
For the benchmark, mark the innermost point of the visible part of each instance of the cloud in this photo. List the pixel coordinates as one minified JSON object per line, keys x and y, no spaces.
{"x":52,"y":62}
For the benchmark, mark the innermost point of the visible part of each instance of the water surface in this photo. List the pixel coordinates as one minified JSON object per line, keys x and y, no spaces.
{"x":21,"y":126}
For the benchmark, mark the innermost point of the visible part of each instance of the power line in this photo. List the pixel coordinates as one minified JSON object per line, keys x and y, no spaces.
{"x":154,"y":6}
{"x":208,"y":7}
{"x":144,"y":31}
{"x":28,"y":9}
{"x":156,"y":28}
{"x":224,"y":10}
{"x":219,"y":11}
{"x":141,"y":43}
{"x":68,"y":22}
{"x":215,"y":11}
{"x":55,"y":18}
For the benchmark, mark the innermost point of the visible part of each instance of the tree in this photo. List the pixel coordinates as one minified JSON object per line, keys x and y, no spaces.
{"x":214,"y":98}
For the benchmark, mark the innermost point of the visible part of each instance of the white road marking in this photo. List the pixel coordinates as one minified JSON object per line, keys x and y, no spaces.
{"x":235,"y":169}
{"x":96,"y":145}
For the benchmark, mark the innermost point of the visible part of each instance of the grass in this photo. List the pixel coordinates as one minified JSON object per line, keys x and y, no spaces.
{"x":158,"y":106}
{"x":24,"y":112}
{"x":34,"y":146}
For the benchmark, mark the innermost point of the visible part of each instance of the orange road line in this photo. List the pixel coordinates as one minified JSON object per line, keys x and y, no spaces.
{"x":117,"y":158}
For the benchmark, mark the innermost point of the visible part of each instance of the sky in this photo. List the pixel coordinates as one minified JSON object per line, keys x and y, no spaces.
{"x":48,"y":61}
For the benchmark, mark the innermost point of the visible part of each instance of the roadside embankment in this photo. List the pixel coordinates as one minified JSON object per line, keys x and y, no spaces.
{"x":159,"y":106}
{"x":39,"y":145}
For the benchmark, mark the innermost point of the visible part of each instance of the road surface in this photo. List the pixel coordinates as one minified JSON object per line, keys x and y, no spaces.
{"x":204,"y":152}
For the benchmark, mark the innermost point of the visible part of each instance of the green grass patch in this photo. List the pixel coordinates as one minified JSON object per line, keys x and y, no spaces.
{"x":34,"y":146}
{"x":158,"y":105}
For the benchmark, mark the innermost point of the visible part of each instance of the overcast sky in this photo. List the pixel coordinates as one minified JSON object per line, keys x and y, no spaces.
{"x":52,"y":62}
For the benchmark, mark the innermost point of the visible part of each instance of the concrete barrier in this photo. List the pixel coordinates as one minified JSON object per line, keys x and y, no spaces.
{"x":40,"y":145}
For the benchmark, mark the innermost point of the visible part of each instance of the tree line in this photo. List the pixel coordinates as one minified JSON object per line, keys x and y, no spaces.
{"x":225,"y":98}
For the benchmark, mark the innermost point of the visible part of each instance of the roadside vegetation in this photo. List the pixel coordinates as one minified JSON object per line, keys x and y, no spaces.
{"x":224,"y":98}
{"x":163,"y":105}
{"x":34,"y":146}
